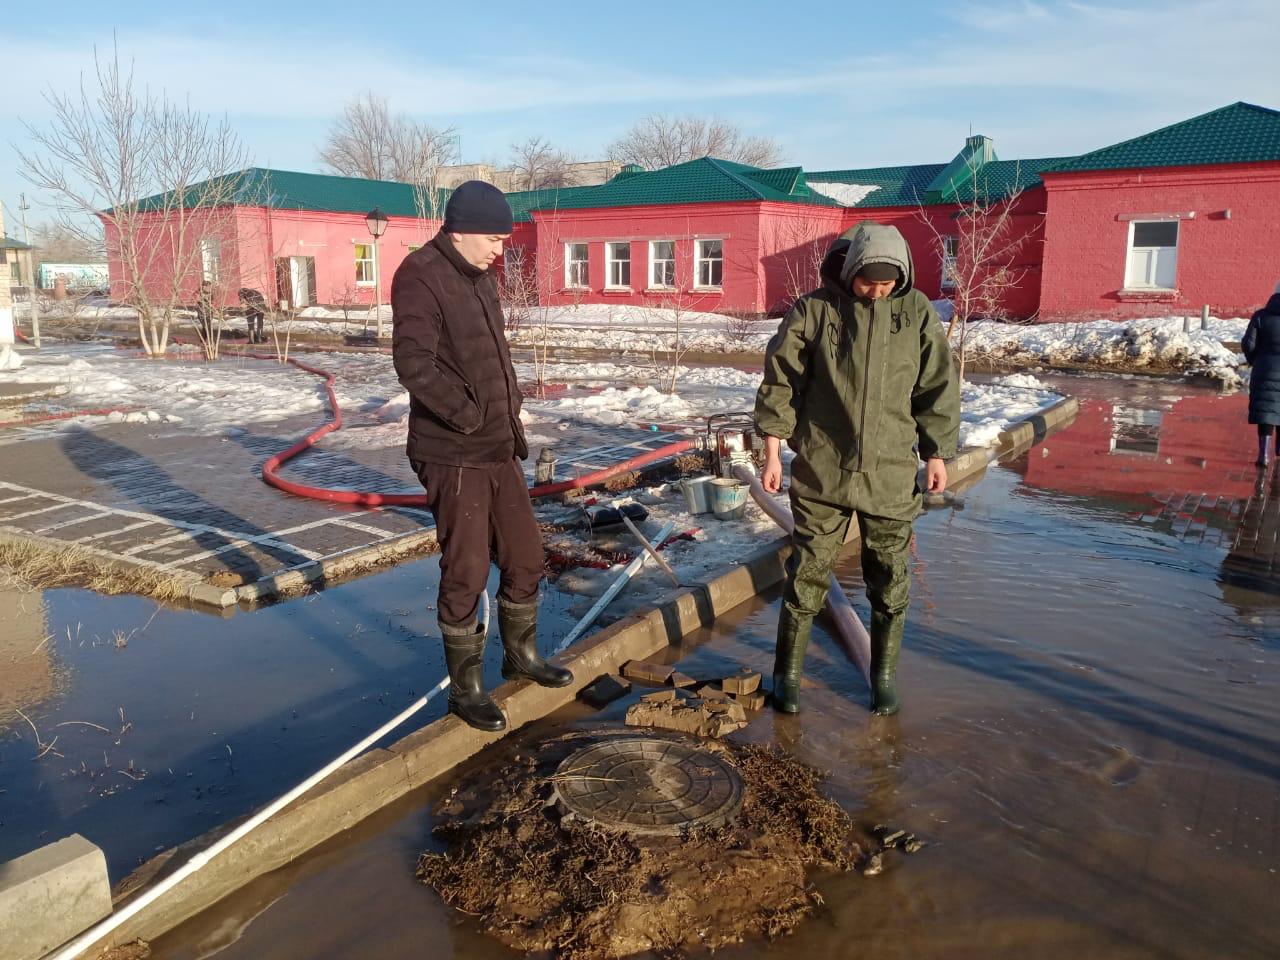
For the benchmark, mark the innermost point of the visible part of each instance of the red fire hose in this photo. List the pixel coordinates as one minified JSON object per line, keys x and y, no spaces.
{"x":271,"y":475}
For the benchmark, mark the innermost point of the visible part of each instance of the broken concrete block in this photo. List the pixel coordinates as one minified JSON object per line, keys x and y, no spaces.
{"x":681,"y":680}
{"x":647,"y":672}
{"x":744,"y":681}
{"x":605,"y":690}
{"x":50,"y":895}
{"x":751,"y":701}
{"x":662,"y":696}
{"x":709,"y":692}
{"x":683,"y":715}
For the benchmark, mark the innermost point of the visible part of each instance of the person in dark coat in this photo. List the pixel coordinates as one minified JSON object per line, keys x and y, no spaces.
{"x":465,"y":440}
{"x":1261,"y":346}
{"x":255,"y":305}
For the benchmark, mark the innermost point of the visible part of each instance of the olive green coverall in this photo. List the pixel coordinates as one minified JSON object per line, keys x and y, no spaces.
{"x":856,"y":387}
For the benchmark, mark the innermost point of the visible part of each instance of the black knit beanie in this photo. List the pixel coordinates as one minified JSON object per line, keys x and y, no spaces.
{"x":878,"y":272}
{"x":477,"y":207}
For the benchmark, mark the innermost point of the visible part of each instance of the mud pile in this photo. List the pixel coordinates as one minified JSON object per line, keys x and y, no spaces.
{"x":538,"y":883}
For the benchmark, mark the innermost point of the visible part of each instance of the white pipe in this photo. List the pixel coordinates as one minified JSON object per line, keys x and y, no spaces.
{"x":630,"y":571}
{"x":850,"y":633}
{"x":91,"y":936}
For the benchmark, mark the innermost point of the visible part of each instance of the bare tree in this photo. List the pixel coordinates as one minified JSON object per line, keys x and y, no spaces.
{"x":658,"y":141}
{"x":55,"y":243}
{"x":980,"y":259}
{"x":537,"y":165}
{"x":369,"y":141}
{"x":161,"y":179}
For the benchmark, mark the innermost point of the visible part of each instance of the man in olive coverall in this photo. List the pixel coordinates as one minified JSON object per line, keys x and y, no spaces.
{"x":857,"y":379}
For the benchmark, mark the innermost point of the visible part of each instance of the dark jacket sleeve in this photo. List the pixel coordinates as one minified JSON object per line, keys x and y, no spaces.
{"x":416,"y":325}
{"x":786,"y":375}
{"x":935,"y":401}
{"x":1249,"y":342}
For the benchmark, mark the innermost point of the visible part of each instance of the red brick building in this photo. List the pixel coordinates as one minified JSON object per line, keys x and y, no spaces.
{"x":1163,"y":223}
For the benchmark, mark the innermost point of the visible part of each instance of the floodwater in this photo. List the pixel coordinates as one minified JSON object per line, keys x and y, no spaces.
{"x":1088,"y":745}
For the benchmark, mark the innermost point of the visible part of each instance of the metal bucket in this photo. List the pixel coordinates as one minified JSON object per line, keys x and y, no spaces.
{"x":728,"y":499}
{"x":697,"y":493}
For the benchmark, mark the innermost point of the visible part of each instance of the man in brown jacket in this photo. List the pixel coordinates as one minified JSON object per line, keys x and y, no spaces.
{"x":465,"y":437}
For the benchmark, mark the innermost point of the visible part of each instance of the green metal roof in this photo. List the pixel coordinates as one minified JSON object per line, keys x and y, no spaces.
{"x":705,"y":180}
{"x":1237,"y":133}
{"x":895,"y":186}
{"x":8,"y":243}
{"x":287,"y":190}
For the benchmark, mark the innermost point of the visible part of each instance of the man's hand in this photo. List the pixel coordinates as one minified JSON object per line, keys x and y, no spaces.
{"x":771,"y":476}
{"x":935,"y":472}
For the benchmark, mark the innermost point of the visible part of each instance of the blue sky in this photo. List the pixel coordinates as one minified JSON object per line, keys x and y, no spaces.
{"x":839,"y":85}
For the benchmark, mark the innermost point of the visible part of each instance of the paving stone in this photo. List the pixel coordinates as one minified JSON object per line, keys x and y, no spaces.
{"x":648,"y":672}
{"x":605,"y":690}
{"x":709,"y":692}
{"x":681,"y":680}
{"x":744,"y":681}
{"x":751,"y":701}
{"x":662,"y":696}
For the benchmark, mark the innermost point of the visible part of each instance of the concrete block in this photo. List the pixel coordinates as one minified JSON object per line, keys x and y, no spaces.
{"x":708,"y":692}
{"x":662,"y":696}
{"x":51,"y":895}
{"x":647,"y":672}
{"x":751,"y":701}
{"x":744,"y":681}
{"x":681,"y":681}
{"x":605,"y":690}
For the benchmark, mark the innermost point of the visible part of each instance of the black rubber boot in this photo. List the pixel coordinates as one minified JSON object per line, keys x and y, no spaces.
{"x":518,"y":626}
{"x":886,"y":643}
{"x":464,"y":656}
{"x":788,"y":660}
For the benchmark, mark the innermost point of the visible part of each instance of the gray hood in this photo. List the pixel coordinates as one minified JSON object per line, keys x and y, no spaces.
{"x":876,"y":243}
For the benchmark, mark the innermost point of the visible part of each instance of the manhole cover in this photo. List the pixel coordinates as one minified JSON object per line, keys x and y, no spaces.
{"x":648,"y":785}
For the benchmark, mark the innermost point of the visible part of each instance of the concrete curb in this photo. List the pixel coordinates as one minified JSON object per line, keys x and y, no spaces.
{"x":381,"y":776}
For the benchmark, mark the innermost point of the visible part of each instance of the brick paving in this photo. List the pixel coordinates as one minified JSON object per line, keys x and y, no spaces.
{"x":197,"y":504}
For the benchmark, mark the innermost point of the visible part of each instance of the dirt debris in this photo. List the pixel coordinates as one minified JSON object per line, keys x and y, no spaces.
{"x":584,"y":893}
{"x":675,"y":710}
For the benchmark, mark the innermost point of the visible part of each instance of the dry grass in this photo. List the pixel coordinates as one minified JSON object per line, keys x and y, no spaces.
{"x":43,"y":567}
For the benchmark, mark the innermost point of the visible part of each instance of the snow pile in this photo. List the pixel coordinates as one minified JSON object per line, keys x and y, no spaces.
{"x":1156,"y":343}
{"x":208,"y":396}
{"x":987,"y":409}
{"x":623,"y":327}
{"x":617,"y":407}
{"x":845,"y":194}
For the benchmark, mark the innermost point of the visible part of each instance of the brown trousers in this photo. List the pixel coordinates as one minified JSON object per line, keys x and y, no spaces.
{"x":483,"y":515}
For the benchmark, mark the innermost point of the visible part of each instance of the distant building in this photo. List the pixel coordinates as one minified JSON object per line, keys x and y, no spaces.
{"x":79,"y":276}
{"x":1183,"y":216}
{"x":586,"y":174}
{"x":17,"y":255}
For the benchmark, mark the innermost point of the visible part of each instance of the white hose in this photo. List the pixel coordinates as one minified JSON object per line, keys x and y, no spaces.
{"x":92,"y":935}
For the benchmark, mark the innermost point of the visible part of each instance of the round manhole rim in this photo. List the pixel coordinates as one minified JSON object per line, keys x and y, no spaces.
{"x":667,"y":786}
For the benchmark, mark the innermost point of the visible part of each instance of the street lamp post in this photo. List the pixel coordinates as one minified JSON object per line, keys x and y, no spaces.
{"x":377,"y":221}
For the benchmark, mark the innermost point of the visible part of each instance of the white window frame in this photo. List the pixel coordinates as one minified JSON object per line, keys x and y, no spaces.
{"x":210,"y":259}
{"x":611,"y":260}
{"x":699,"y":260}
{"x":1143,"y":265}
{"x":371,"y":260}
{"x":656,"y":282}
{"x":584,"y":282}
{"x":950,"y":251}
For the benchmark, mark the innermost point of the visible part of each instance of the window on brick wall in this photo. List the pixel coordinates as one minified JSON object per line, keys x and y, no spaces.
{"x":364,"y":264}
{"x":617,"y":261}
{"x":950,"y":250}
{"x":662,"y":264}
{"x":708,"y":265}
{"x":1153,"y":255}
{"x":575,"y":266}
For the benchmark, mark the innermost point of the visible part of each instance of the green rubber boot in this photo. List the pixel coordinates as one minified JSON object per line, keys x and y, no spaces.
{"x":886,"y":643}
{"x":788,"y":659}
